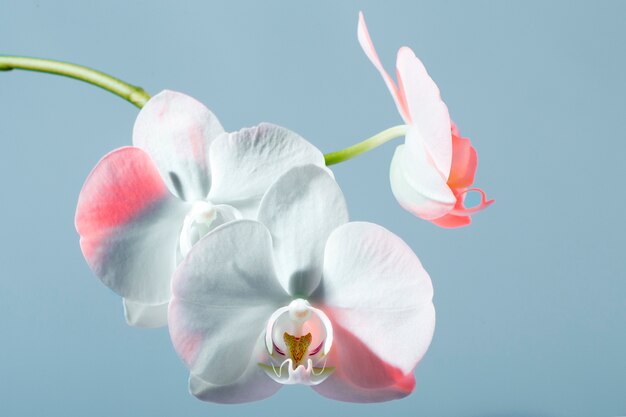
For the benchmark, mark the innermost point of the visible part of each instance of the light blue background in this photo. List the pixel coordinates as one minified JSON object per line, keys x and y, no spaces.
{"x":530,"y":298}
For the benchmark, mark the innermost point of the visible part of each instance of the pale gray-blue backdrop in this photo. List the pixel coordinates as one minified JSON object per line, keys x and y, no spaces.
{"x":530,"y":298}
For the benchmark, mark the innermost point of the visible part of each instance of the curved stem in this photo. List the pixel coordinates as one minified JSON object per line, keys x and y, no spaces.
{"x":361,"y":147}
{"x":138,"y":97}
{"x":135,"y":95}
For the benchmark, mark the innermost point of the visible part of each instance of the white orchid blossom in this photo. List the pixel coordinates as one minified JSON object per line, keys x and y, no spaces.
{"x":142,"y":208}
{"x":301,"y":296}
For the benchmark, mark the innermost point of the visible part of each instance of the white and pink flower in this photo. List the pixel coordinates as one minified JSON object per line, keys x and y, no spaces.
{"x":301,"y":296}
{"x":432,"y":172}
{"x":143,"y":207}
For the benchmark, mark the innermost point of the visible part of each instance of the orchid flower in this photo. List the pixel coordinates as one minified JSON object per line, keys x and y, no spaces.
{"x":301,"y":297}
{"x":143,"y":207}
{"x":432,"y":172}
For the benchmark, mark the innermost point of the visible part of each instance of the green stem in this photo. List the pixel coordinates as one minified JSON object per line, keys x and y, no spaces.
{"x":135,"y":95}
{"x":361,"y":147}
{"x":138,"y":97}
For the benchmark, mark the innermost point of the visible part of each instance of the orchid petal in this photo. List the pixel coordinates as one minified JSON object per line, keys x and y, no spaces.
{"x":223,"y":293}
{"x":244,"y":164}
{"x":252,"y":385}
{"x":301,"y":210}
{"x":416,"y":184}
{"x":464,"y":163}
{"x":145,"y":315}
{"x":129,"y":224}
{"x":176,"y":131}
{"x":376,"y":289}
{"x":339,"y":387}
{"x":358,"y":365}
{"x":451,"y":221}
{"x":429,"y":114}
{"x":368,"y":47}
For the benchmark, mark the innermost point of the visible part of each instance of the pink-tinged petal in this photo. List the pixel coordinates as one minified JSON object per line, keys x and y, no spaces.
{"x":450,"y":221}
{"x":338,"y":388}
{"x":176,"y":131}
{"x":377,"y":290}
{"x":223,"y":293}
{"x":301,"y":210}
{"x":252,"y":385}
{"x":129,"y":224}
{"x":145,"y":315}
{"x":464,"y":163}
{"x":428,"y":113}
{"x":368,"y":47}
{"x":350,"y":354}
{"x":245,"y":164}
{"x":417,"y":185}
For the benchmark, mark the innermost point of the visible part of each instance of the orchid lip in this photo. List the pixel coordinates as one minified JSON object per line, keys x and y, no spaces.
{"x":305,"y":375}
{"x":462,"y":211}
{"x":298,"y":338}
{"x":295,"y":309}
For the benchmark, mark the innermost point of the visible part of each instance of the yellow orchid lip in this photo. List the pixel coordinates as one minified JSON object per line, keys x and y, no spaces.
{"x":298,"y":338}
{"x":298,"y":346}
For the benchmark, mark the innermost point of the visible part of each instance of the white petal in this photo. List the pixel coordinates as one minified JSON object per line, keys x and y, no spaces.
{"x":301,"y":210}
{"x":177,"y":130}
{"x":378,"y":291}
{"x":145,"y":315}
{"x":252,"y":385}
{"x":129,"y":226}
{"x":417,"y":185}
{"x":244,"y":164}
{"x":223,"y":293}
{"x":429,"y":114}
{"x":368,"y":47}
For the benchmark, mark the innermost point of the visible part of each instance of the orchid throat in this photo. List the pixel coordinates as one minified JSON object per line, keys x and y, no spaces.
{"x":298,"y":338}
{"x":203,"y":216}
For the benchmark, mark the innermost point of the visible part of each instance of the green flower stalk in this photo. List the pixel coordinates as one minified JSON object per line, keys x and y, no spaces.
{"x":138,"y":97}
